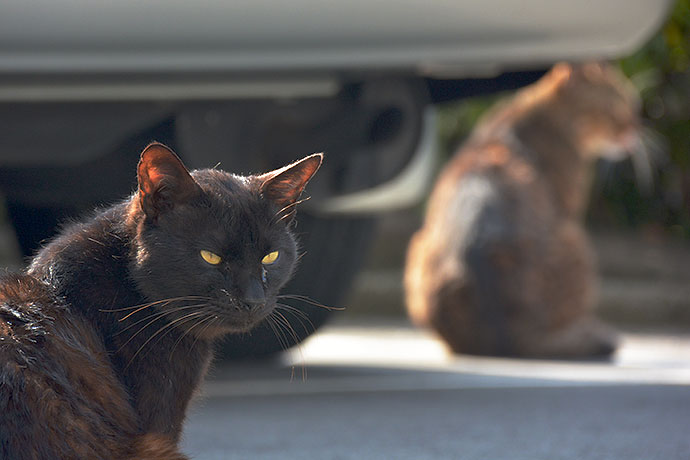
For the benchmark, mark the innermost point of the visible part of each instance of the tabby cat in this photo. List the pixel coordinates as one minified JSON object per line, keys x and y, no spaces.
{"x":502,"y":264}
{"x":107,"y":335}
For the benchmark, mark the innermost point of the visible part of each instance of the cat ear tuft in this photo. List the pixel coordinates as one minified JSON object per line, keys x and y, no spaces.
{"x":560,"y":73}
{"x":163,"y":180}
{"x":285,"y":185}
{"x":594,"y":71}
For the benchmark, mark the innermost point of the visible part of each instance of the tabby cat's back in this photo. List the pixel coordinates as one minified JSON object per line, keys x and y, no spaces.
{"x":502,"y":264}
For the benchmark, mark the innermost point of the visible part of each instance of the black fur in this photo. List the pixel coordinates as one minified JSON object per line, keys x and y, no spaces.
{"x":133,"y":277}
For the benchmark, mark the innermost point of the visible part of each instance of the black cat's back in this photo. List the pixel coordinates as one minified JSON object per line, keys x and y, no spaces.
{"x":54,"y":369}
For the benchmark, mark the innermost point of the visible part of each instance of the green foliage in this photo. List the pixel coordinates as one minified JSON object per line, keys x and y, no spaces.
{"x":457,"y":120}
{"x":661,"y":72}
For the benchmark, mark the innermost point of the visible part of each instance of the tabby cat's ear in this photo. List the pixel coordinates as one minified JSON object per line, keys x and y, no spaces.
{"x":284,"y":186}
{"x":560,"y":73}
{"x":163,"y":180}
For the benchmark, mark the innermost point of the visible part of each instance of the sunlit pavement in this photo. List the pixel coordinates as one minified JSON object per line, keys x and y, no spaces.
{"x":392,"y":392}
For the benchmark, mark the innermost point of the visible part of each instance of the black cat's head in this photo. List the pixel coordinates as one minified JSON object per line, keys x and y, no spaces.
{"x":214,"y":248}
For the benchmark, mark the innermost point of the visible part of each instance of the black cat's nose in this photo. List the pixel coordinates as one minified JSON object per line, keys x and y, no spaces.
{"x":254,"y":293}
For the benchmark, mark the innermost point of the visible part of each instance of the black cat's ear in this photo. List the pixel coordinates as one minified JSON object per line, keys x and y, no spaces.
{"x":284,"y":186}
{"x":163,"y":180}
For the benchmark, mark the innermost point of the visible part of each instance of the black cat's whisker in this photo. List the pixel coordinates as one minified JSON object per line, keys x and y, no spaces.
{"x":148,"y":304}
{"x":301,"y":354}
{"x":299,"y":350}
{"x":185,"y":334}
{"x":114,"y":310}
{"x":160,"y":314}
{"x":288,"y":327}
{"x":292,"y":332}
{"x":164,"y":303}
{"x":209,"y":319}
{"x":298,"y":315}
{"x":283,"y":325}
{"x":293,"y":310}
{"x":166,"y":326}
{"x":156,"y":317}
{"x":310,"y":301}
{"x":212,"y":321}
{"x":282,"y":330}
{"x":180,"y":322}
{"x":270,"y":320}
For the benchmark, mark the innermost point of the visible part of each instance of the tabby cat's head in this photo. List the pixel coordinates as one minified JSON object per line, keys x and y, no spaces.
{"x":217,"y":244}
{"x":601,"y":107}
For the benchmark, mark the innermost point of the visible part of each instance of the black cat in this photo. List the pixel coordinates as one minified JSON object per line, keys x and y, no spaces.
{"x":105,"y":338}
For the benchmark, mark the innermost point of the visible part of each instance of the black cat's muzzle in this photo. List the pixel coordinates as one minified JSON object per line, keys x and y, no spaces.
{"x":243,"y":314}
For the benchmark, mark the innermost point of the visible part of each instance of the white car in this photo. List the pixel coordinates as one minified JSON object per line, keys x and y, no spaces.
{"x":254,"y":84}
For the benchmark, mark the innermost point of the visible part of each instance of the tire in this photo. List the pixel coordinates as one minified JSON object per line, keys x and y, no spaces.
{"x":39,"y":199}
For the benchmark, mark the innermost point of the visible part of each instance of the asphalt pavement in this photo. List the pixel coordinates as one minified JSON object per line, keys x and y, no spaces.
{"x":388,"y":391}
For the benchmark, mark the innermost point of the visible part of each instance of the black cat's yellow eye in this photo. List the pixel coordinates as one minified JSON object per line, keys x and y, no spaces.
{"x":270,"y":258}
{"x":209,"y":257}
